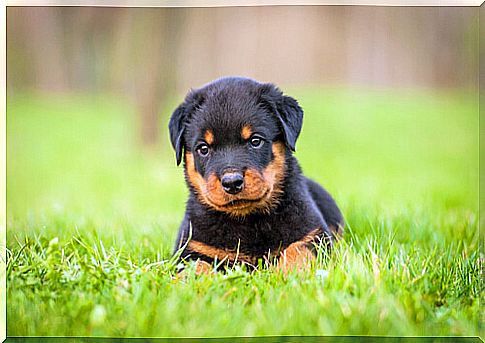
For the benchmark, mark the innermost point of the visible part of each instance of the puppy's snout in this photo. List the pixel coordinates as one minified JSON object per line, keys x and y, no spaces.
{"x":232,"y":183}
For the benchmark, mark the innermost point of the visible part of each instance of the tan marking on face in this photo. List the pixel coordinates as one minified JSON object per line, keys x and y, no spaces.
{"x":219,"y":253}
{"x":210,"y":192}
{"x":261,"y":190}
{"x":275,"y":174}
{"x":260,"y":193}
{"x":194,"y":178}
{"x":246,"y":132}
{"x":209,"y":137}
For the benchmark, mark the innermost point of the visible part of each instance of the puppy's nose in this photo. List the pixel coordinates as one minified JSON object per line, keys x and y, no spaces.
{"x":232,"y":183}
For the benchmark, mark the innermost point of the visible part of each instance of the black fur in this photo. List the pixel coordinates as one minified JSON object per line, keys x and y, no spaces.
{"x":224,"y":107}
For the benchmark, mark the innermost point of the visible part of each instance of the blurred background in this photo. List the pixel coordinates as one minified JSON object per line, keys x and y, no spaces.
{"x":391,"y":122}
{"x":390,"y":98}
{"x":152,"y":54}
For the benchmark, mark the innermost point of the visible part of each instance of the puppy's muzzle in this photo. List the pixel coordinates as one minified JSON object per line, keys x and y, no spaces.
{"x":232,"y":183}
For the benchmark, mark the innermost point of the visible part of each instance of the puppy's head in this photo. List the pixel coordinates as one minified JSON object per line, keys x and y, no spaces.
{"x":234,"y":135}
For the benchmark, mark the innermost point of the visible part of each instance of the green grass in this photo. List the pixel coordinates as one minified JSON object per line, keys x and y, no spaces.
{"x":92,"y":218}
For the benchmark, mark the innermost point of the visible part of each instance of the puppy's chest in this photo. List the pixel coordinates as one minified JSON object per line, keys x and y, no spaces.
{"x":255,"y":237}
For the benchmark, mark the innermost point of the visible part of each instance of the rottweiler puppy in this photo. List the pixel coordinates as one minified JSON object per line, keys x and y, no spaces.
{"x":249,"y":201}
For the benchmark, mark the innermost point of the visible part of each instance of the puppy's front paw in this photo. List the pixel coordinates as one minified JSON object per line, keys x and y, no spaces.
{"x":296,"y":256}
{"x":201,"y":268}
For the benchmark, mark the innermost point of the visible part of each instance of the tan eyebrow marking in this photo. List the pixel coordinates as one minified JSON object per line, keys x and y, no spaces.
{"x":209,"y":137}
{"x":246,"y":132}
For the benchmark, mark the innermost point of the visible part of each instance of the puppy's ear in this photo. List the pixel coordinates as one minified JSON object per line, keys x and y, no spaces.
{"x":176,"y":126}
{"x":287,"y":110}
{"x":179,"y":120}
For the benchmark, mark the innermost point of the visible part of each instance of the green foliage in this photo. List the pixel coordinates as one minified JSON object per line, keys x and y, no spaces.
{"x":92,"y":218}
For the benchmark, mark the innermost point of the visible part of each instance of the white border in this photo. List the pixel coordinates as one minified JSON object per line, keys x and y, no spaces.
{"x":3,"y":172}
{"x":226,"y":3}
{"x":135,"y":3}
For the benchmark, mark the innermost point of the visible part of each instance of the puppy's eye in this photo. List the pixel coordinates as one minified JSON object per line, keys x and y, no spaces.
{"x":256,"y":142}
{"x":202,"y":149}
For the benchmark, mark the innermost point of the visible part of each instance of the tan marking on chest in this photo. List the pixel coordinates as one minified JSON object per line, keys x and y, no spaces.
{"x":221,"y":254}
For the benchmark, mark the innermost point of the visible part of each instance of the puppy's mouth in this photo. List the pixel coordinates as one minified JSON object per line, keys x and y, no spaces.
{"x":239,"y":203}
{"x":244,"y":203}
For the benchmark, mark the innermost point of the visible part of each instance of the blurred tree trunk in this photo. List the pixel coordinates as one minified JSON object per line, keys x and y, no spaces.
{"x":155,"y":51}
{"x":44,"y":33}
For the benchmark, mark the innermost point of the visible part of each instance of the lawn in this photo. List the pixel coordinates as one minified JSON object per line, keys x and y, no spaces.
{"x":92,"y":217}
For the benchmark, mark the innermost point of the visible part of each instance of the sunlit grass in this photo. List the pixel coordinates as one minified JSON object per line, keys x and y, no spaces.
{"x":92,"y":218}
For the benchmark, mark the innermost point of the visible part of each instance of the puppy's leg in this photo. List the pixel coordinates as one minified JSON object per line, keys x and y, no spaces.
{"x":203,"y":267}
{"x":183,"y":234}
{"x":296,"y":256}
{"x":327,"y":206}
